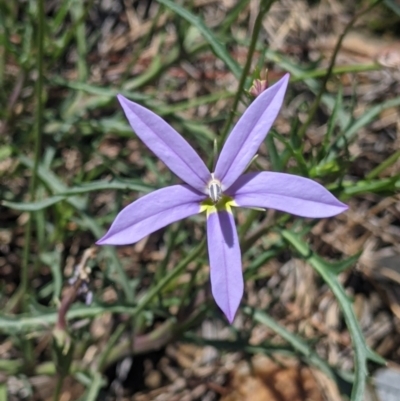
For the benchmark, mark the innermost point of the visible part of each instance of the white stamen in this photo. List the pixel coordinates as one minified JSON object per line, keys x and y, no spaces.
{"x":214,"y":189}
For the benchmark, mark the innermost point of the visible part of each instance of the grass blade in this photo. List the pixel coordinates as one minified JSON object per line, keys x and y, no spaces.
{"x":218,"y":48}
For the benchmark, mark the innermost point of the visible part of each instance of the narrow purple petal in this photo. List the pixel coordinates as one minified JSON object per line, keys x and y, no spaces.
{"x":285,"y":192}
{"x":225,"y":264}
{"x":247,"y":135}
{"x":152,"y":212}
{"x":167,"y":144}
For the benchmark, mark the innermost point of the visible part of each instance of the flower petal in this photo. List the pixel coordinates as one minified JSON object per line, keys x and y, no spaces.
{"x":167,"y":144}
{"x":152,"y":212}
{"x":285,"y":192}
{"x":248,"y":133}
{"x":225,"y":264}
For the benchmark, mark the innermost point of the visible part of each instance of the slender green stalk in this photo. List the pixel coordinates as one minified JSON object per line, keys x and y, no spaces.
{"x":257,"y":27}
{"x":152,"y":293}
{"x":78,"y":13}
{"x":57,"y":390}
{"x":338,"y":70}
{"x":142,"y":344}
{"x":190,"y":289}
{"x":2,"y":54}
{"x":169,"y":277}
{"x":263,"y":229}
{"x":95,"y":387}
{"x":141,"y":45}
{"x":361,"y":350}
{"x":162,"y":267}
{"x":37,"y":145}
{"x":24,"y":285}
{"x":58,"y":51}
{"x":383,"y":166}
{"x":230,"y":18}
{"x":297,"y":343}
{"x":244,"y":228}
{"x":110,"y":346}
{"x":315,"y":105}
{"x":3,"y":392}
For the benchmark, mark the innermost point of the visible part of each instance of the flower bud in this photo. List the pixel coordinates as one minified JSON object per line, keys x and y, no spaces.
{"x":260,"y":84}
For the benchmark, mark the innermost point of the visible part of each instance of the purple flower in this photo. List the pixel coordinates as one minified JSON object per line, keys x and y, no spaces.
{"x":216,"y":193}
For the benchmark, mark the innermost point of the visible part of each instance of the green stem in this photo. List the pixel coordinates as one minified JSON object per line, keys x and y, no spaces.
{"x":142,"y":344}
{"x":383,"y":166}
{"x":37,"y":145}
{"x":242,"y":230}
{"x":147,"y":298}
{"x":257,"y":27}
{"x":263,"y":229}
{"x":24,"y":285}
{"x":95,"y":387}
{"x":189,"y":290}
{"x":68,"y":36}
{"x":317,"y":100}
{"x":111,"y":345}
{"x":338,"y":70}
{"x":144,"y":41}
{"x":78,"y":13}
{"x":296,"y":342}
{"x":57,"y":390}
{"x":361,"y":351}
{"x":162,"y":267}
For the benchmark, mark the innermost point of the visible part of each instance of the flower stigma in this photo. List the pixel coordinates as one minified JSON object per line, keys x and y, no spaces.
{"x":214,"y":189}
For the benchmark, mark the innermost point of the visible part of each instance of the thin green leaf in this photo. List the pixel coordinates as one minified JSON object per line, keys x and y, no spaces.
{"x":96,"y":385}
{"x":273,"y":154}
{"x":209,"y":36}
{"x":366,"y":118}
{"x":33,"y":206}
{"x":27,"y":323}
{"x":383,"y":166}
{"x":56,"y":185}
{"x":341,"y":266}
{"x":374,"y":186}
{"x":297,"y":343}
{"x":360,"y":347}
{"x":55,"y":261}
{"x":374,"y":357}
{"x":79,"y":190}
{"x":53,"y":182}
{"x":395,"y":7}
{"x":100,"y":91}
{"x":328,"y":100}
{"x":333,"y":119}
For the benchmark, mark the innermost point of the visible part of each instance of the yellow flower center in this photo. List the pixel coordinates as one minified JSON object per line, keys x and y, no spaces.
{"x":224,"y":203}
